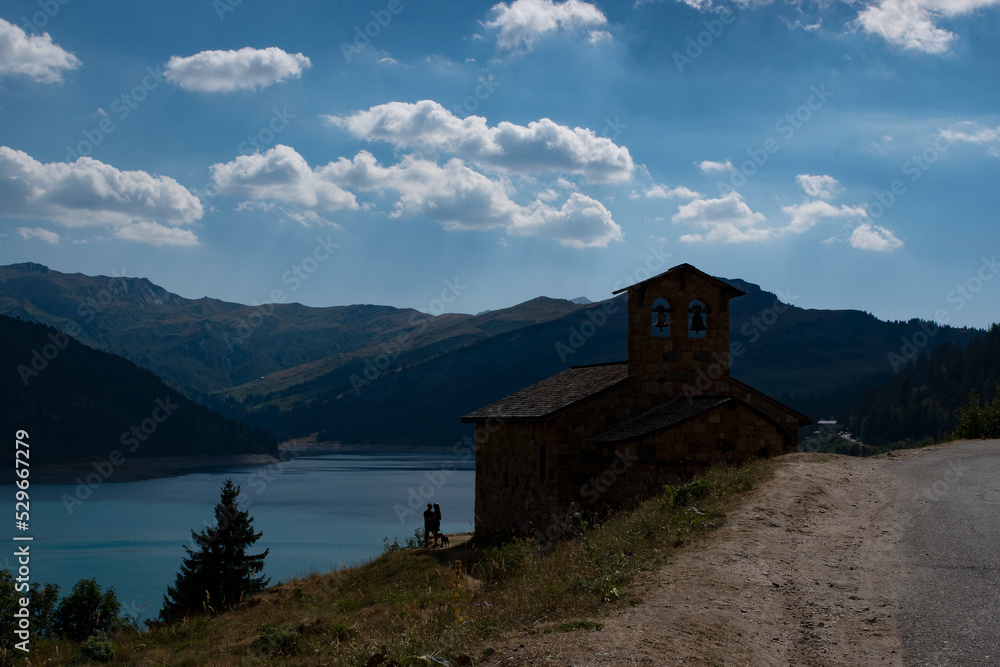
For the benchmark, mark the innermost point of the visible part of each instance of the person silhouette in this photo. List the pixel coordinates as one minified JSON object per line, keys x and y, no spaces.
{"x":428,"y":524}
{"x":437,"y":525}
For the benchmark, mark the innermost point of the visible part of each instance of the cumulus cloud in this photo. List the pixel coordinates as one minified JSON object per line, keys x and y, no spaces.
{"x":976,"y":134}
{"x":226,"y":71}
{"x":35,"y":56}
{"x":819,"y":187}
{"x":541,"y":146}
{"x":156,"y":234}
{"x":709,"y":165}
{"x":452,"y":195}
{"x":660,"y":191}
{"x":90,"y":193}
{"x":910,"y":24}
{"x":727,"y":219}
{"x":282,"y":175}
{"x":38,"y":233}
{"x":874,"y":237}
{"x":806,"y":216}
{"x":523,"y":21}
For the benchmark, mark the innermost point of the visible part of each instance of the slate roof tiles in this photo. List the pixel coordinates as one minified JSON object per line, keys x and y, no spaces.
{"x":545,"y":398}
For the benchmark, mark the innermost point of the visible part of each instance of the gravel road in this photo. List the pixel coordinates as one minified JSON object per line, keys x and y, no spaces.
{"x":888,"y":561}
{"x":949,"y":598}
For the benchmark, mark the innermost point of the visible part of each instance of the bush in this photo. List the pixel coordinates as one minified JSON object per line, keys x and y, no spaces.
{"x":415,"y":541}
{"x":977,"y":421}
{"x":98,"y":648}
{"x":86,"y":611}
{"x":44,"y":600}
{"x":278,"y":641}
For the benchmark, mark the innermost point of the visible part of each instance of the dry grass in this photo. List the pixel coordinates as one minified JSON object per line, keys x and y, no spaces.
{"x":422,"y":603}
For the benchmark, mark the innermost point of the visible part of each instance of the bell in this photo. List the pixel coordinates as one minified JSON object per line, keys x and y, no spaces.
{"x":697,"y":321}
{"x":661,"y":318}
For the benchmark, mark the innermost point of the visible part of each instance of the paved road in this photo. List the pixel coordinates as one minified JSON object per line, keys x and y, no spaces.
{"x":950,"y":548}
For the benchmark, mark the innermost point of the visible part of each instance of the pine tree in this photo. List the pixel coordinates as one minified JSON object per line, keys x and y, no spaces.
{"x":220,"y":574}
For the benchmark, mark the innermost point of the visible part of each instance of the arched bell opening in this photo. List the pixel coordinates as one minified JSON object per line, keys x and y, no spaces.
{"x":660,"y":318}
{"x":697,"y":320}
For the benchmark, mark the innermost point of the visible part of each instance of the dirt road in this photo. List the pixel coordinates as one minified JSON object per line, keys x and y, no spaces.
{"x":812,"y":570}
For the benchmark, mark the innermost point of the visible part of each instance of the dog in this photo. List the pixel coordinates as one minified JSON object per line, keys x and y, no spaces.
{"x":444,"y":540}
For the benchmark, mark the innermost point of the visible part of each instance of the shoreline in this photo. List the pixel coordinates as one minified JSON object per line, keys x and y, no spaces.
{"x":306,"y":447}
{"x":134,"y":470}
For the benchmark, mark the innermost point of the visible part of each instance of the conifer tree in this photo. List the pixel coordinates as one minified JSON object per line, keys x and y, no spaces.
{"x":219,"y":574}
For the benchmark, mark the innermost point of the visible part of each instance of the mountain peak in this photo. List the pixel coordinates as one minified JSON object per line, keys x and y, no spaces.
{"x":28,"y":267}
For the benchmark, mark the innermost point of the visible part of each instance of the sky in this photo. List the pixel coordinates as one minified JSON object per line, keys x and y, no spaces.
{"x":459,"y":157}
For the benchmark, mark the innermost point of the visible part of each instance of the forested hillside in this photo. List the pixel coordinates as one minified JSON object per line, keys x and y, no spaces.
{"x":922,"y":399}
{"x":81,"y":405}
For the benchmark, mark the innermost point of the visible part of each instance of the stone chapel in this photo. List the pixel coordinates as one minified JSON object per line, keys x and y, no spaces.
{"x":597,"y":438}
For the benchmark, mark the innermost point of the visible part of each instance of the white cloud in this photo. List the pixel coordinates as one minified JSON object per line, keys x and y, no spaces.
{"x":911,"y":23}
{"x":820,"y":187}
{"x":727,"y":219}
{"x":808,"y":215}
{"x":34,"y":56}
{"x":281,"y":174}
{"x":708,"y":165}
{"x":874,"y":237}
{"x":452,"y":195}
{"x":581,"y":222}
{"x":38,"y":233}
{"x":524,"y":21}
{"x":660,"y":191}
{"x":457,"y":197}
{"x":541,"y":146}
{"x":976,"y":134}
{"x":90,"y":193}
{"x":226,"y":71}
{"x":907,"y":24}
{"x":156,"y":234}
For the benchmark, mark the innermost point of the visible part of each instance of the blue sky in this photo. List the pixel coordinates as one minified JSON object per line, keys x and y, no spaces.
{"x":842,"y":154}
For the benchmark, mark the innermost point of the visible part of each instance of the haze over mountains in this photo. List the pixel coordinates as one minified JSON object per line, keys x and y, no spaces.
{"x":378,"y":374}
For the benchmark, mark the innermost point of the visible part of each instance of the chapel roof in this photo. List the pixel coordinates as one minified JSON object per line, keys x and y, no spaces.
{"x":662,"y":417}
{"x":553,"y":394}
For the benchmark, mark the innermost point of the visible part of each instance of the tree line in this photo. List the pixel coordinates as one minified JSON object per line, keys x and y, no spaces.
{"x":939,"y":394}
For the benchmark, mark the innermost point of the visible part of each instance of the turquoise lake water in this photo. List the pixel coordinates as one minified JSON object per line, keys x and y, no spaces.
{"x":317,"y":513}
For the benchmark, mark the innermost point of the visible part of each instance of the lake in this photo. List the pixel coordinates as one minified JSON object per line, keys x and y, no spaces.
{"x":317,"y":513}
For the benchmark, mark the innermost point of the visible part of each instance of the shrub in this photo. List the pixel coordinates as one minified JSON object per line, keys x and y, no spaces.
{"x":86,"y":611}
{"x":978,"y":421}
{"x":44,"y":600}
{"x":98,"y":648}
{"x":278,"y":641}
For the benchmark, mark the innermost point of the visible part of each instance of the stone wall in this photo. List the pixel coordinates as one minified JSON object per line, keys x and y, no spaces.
{"x":516,"y":493}
{"x":667,"y":366}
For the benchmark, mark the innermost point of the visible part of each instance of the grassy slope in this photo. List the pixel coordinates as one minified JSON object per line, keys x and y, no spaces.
{"x":411,"y":603}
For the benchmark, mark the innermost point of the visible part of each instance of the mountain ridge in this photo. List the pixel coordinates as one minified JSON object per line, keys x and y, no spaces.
{"x":369,"y":373}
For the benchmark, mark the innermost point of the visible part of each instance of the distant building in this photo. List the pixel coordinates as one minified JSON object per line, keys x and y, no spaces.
{"x":595,"y":438}
{"x":827,"y":427}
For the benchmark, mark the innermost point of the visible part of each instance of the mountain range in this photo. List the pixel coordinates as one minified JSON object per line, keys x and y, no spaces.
{"x":82,"y":405}
{"x":379,"y":374}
